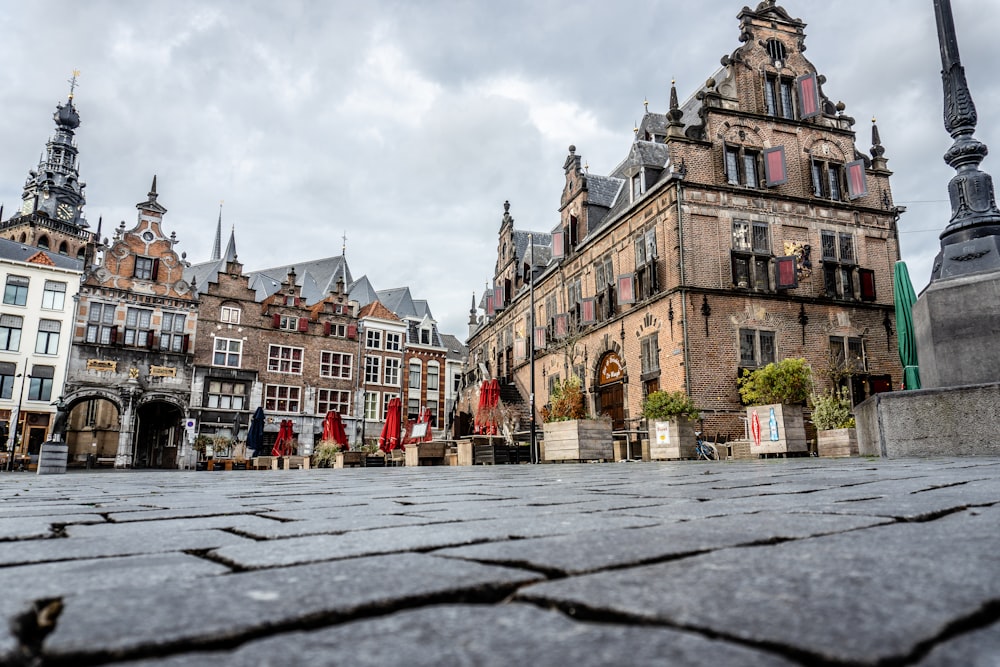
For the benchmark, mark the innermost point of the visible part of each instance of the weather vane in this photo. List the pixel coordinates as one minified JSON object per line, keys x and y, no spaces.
{"x":72,"y":83}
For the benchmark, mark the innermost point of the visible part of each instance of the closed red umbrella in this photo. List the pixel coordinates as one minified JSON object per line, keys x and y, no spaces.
{"x":481,"y":407}
{"x":333,"y":429}
{"x":389,"y":439}
{"x":283,"y":443}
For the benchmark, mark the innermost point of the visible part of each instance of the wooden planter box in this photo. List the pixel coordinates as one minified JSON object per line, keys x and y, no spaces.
{"x":837,"y":442}
{"x":578,"y":440}
{"x":349,"y":460}
{"x":672,"y":439}
{"x":425,"y":454}
{"x":789,"y":436}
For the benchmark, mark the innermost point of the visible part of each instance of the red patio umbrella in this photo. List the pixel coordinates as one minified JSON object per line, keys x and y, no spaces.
{"x":389,"y":439}
{"x":488,"y":412}
{"x":283,"y":443}
{"x":333,"y":429}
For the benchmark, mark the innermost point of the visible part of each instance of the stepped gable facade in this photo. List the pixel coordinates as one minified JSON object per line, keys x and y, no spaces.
{"x":743,"y":227}
{"x":129,"y":380}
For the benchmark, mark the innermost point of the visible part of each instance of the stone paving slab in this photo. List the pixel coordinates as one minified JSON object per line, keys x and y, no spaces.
{"x":834,"y":562}
{"x":580,"y":553}
{"x":497,"y":636}
{"x":223,"y":609}
{"x":903,"y":583}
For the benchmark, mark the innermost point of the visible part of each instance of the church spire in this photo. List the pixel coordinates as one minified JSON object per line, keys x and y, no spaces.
{"x":217,"y":247}
{"x":230,"y":255}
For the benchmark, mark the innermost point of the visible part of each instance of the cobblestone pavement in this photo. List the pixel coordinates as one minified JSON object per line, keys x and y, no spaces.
{"x":798,"y":562}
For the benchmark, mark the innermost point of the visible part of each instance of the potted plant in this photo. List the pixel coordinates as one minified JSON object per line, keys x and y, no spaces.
{"x":777,"y":393}
{"x":325,"y":454}
{"x":569,"y":432}
{"x":670,"y":413}
{"x":835,"y":432}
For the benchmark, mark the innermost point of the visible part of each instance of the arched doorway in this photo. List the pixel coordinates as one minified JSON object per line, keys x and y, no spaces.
{"x":92,"y":430}
{"x":611,"y":389}
{"x":157,"y":440}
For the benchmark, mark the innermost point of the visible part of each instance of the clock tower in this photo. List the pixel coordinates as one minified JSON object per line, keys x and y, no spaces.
{"x":50,"y":215}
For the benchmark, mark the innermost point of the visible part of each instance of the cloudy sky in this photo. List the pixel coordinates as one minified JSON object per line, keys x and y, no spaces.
{"x":405,"y":125}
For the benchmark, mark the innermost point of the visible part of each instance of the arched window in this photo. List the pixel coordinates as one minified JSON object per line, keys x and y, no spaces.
{"x":43,"y":242}
{"x":415,"y":373}
{"x":63,"y":248}
{"x":24,"y":237}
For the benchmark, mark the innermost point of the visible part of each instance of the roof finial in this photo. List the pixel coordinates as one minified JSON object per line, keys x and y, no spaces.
{"x":72,"y":84}
{"x":152,"y":189}
{"x":675,"y":114}
{"x":645,"y":104}
{"x":877,"y":150}
{"x":343,"y":244}
{"x":635,"y":128}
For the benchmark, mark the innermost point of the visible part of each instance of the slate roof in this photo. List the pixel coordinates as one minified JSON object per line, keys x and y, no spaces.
{"x":19,"y":252}
{"x":318,"y":277}
{"x":603,"y":190}
{"x":456,"y":350}
{"x":361,"y":290}
{"x":399,"y":301}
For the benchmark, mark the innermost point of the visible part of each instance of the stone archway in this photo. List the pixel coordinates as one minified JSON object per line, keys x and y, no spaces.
{"x":159,"y":431}
{"x":609,"y":388}
{"x":92,"y":427}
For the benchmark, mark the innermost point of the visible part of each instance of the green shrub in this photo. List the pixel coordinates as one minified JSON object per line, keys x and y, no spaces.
{"x":325,"y":454}
{"x":565,"y":402}
{"x":832,"y":410}
{"x":788,"y":381}
{"x":668,"y":405}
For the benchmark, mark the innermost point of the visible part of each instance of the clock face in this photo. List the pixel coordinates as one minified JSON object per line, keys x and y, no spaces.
{"x":64,"y":212}
{"x":147,"y":236}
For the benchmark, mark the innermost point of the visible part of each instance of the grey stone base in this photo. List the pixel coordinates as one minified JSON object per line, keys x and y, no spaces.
{"x":957,"y":325}
{"x":52,"y":458}
{"x":951,"y":421}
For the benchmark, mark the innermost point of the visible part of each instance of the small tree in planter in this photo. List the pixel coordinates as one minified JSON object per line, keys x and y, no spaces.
{"x":777,"y":393}
{"x":325,"y":454}
{"x":670,"y":414}
{"x":835,"y":433}
{"x":569,"y":432}
{"x":201,"y":444}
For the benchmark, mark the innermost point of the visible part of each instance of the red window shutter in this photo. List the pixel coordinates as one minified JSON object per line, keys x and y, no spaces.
{"x":788,"y":276}
{"x":326,"y":328}
{"x":151,"y":341}
{"x":808,"y":95}
{"x":490,"y":304}
{"x":562,"y":325}
{"x":626,"y":289}
{"x":187,"y":343}
{"x":539,"y":338}
{"x":588,"y":310}
{"x":352,"y":331}
{"x":857,"y":183}
{"x":114,"y":335}
{"x":775,"y":172}
{"x":498,"y":302}
{"x":558,"y":251}
{"x":156,"y":269}
{"x":867,"y":279}
{"x":303,"y":324}
{"x":276,"y":320}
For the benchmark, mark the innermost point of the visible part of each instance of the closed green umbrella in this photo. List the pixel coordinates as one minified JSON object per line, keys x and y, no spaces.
{"x":905,"y":298}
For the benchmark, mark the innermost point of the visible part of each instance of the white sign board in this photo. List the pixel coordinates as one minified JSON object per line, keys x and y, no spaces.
{"x":419,"y":430}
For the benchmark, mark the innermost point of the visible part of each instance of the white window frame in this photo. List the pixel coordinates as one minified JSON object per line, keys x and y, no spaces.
{"x":333,"y":400}
{"x":54,"y":295}
{"x":227,"y":352}
{"x":285,"y":359}
{"x":330,"y":367}
{"x":393,"y":341}
{"x":277,"y":396}
{"x":230,"y":314}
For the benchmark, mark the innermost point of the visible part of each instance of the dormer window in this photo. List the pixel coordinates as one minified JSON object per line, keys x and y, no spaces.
{"x":638,"y":185}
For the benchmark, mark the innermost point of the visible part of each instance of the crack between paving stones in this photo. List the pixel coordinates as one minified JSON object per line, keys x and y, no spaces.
{"x":987,"y":614}
{"x":487,"y":594}
{"x":582,"y":612}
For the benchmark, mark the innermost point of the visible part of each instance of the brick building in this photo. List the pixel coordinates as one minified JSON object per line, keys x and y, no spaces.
{"x":742,"y":227}
{"x":128,"y":384}
{"x":383,"y":346}
{"x":263,"y":342}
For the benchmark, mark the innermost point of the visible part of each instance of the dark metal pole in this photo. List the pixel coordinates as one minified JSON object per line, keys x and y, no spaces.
{"x":531,"y":348}
{"x":361,"y":383}
{"x":973,"y":203}
{"x":13,"y":434}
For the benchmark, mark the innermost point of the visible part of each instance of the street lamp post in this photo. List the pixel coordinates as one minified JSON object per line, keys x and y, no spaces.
{"x":363,"y":390}
{"x":15,"y":420}
{"x":531,"y":347}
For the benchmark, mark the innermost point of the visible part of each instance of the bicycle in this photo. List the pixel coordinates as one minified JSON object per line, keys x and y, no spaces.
{"x":704,"y":450}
